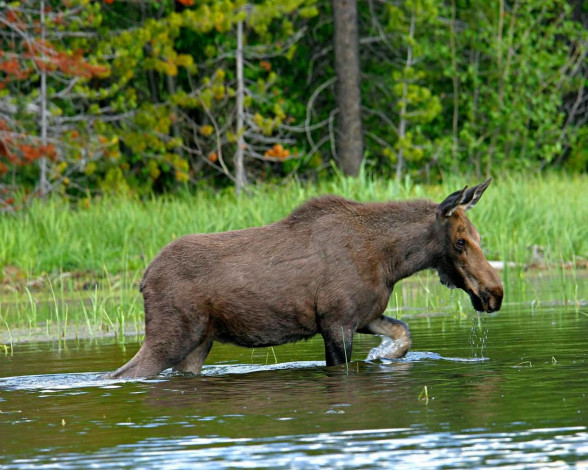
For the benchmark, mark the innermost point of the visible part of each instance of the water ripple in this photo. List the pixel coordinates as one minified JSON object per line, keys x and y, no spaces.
{"x":387,"y":448}
{"x":48,"y":383}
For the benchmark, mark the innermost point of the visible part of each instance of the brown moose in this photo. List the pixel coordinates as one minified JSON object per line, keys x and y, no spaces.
{"x":328,"y":268}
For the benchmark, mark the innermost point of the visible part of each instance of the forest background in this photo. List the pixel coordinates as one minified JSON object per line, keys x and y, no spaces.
{"x":141,"y":97}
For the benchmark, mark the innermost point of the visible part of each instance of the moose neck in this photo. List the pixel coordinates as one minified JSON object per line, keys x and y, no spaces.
{"x":412,"y":242}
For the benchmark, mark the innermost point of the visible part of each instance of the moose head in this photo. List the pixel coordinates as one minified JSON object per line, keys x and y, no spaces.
{"x":463,"y":264}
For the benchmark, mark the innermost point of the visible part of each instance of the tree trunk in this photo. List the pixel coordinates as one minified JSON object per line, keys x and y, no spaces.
{"x":349,"y":130}
{"x":455,"y":80}
{"x":402,"y":124}
{"x":240,"y":175}
{"x":43,"y":180}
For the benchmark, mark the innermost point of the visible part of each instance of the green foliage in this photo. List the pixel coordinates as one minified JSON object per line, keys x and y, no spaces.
{"x":513,"y":83}
{"x":149,"y":104}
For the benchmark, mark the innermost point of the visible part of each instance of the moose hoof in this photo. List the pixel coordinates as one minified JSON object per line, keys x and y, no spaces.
{"x":389,"y":349}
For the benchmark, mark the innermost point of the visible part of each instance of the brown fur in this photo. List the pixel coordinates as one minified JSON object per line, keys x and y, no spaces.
{"x":328,"y":268}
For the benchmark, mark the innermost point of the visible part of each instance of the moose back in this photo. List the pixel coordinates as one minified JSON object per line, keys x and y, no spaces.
{"x":328,"y":268}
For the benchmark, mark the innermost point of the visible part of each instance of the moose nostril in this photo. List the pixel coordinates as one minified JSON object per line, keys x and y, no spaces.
{"x":497,"y":291}
{"x":497,"y":297}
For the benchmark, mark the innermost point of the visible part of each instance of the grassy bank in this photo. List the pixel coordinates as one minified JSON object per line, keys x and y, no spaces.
{"x":118,"y":235}
{"x":62,"y":263}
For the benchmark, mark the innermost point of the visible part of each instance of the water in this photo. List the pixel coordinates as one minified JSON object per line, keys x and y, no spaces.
{"x":508,"y":390}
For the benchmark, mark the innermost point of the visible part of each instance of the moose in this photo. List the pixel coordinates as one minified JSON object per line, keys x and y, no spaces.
{"x":328,"y":268}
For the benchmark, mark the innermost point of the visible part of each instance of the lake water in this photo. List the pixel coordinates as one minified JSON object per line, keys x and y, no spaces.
{"x":508,"y":390}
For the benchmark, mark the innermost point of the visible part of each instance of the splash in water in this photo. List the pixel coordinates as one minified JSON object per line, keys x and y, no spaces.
{"x":387,"y":348}
{"x":478,"y":336}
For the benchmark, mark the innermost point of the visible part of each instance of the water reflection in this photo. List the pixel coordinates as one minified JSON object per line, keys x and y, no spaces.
{"x":97,"y":379}
{"x":383,"y":448}
{"x":506,"y":390}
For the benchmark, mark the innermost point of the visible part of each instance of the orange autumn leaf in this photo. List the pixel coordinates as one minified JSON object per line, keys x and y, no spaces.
{"x":277,"y":151}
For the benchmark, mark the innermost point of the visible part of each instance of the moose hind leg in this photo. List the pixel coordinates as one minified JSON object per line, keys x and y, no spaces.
{"x":192,"y":363}
{"x":170,"y":336}
{"x":143,"y":364}
{"x":396,"y":330}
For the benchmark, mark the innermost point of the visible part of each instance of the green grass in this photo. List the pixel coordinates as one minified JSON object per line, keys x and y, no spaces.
{"x":119,"y":234}
{"x":73,"y":270}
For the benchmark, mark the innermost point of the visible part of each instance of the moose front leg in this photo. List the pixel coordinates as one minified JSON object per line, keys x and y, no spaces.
{"x":394,"y":329}
{"x":338,"y":344}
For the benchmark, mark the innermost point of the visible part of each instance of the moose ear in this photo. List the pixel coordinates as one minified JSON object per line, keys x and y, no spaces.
{"x":466,"y":198}
{"x":474,"y":194}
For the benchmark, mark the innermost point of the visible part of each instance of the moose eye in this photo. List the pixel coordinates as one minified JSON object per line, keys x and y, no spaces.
{"x":460,"y":243}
